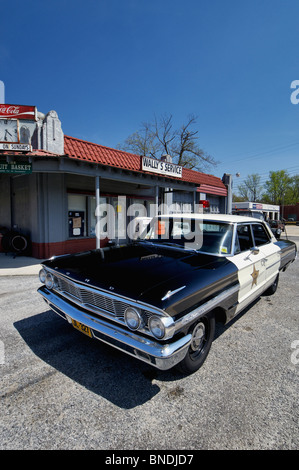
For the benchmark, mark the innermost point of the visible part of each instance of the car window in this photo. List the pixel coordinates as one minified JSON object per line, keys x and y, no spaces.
{"x":217,"y":238}
{"x":260,"y":234}
{"x":213,"y":237}
{"x":243,"y":241}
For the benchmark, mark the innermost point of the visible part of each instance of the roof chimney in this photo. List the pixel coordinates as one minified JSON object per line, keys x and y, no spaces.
{"x":166,"y":158}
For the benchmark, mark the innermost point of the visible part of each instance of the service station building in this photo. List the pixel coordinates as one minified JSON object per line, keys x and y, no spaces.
{"x":68,"y":195}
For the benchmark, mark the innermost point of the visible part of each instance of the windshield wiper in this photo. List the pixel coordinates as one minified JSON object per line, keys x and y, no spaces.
{"x":165,"y":243}
{"x":177,"y":245}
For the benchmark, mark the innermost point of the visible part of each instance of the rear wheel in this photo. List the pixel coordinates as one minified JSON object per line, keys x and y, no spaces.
{"x":202,"y":337}
{"x":272,"y":289}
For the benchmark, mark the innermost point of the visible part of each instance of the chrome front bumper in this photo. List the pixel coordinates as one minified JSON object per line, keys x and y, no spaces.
{"x":161,"y":355}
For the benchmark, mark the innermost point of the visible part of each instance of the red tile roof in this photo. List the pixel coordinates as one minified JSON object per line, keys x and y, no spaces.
{"x":86,"y":151}
{"x":95,"y":153}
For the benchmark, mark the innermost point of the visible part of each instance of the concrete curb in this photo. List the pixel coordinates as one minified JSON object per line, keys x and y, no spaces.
{"x":19,"y":265}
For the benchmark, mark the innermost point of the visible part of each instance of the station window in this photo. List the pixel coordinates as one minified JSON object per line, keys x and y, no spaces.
{"x":103,"y":212}
{"x":76,"y":215}
{"x":82,"y":215}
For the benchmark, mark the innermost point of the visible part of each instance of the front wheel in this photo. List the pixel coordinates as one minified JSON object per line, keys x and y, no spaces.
{"x":202,"y":337}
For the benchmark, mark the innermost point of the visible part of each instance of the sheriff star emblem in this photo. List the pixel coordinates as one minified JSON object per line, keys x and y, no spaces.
{"x":254,"y":276}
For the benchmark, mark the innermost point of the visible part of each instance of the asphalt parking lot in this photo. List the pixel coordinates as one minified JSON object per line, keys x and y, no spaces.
{"x":61,"y":390}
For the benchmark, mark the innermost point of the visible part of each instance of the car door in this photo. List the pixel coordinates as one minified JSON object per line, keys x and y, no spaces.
{"x":264,"y":241}
{"x":250,"y":261}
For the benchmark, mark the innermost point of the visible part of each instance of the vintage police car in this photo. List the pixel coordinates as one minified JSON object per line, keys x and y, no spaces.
{"x":158,"y":297}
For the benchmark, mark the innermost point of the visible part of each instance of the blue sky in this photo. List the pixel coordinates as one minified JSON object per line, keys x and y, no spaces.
{"x":106,"y":66}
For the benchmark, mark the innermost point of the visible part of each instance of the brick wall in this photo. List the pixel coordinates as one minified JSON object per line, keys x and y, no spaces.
{"x":46,"y":250}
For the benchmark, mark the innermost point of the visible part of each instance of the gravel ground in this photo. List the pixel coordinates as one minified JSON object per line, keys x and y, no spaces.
{"x":62,"y":390}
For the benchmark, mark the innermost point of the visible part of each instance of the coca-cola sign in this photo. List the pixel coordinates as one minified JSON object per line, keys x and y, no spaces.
{"x":15,"y":111}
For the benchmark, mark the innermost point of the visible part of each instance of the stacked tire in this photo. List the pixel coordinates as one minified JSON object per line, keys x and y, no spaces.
{"x":15,"y":242}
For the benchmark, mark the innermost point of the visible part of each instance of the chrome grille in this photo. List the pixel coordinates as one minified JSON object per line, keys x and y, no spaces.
{"x":91,"y":298}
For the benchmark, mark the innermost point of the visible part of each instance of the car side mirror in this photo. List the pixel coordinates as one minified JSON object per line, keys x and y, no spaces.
{"x":254,"y":250}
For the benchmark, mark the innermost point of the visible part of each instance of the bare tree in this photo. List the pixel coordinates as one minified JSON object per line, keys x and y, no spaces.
{"x":251,"y":189}
{"x":142,"y":142}
{"x":159,"y":137}
{"x":164,"y":133}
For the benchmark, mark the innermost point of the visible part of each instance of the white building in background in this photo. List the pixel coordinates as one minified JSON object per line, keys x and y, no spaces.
{"x":269,"y":211}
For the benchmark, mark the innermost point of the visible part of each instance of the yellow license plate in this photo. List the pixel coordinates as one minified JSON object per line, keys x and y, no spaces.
{"x":83,"y":328}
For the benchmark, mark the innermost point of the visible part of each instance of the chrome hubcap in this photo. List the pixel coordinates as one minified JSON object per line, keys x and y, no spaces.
{"x":198,"y":337}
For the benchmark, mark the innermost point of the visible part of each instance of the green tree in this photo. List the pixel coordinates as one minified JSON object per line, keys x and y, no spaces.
{"x":292,"y":192}
{"x":277,"y":187}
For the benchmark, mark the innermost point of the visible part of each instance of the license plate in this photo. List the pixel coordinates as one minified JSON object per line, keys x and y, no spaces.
{"x":83,"y":328}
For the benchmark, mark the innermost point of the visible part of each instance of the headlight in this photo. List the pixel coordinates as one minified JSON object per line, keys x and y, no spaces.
{"x":42,"y":275}
{"x":133,"y":318}
{"x":157,"y":327}
{"x":49,"y":281}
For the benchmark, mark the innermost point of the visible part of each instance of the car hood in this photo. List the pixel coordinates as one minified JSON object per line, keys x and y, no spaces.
{"x":141,"y":271}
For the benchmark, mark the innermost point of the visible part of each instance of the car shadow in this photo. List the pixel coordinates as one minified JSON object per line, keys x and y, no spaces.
{"x":222,"y":328}
{"x":123,"y":380}
{"x":102,"y":369}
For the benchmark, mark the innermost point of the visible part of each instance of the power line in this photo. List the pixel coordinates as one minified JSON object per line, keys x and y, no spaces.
{"x":262,"y":182}
{"x":262,"y":153}
{"x":291,"y":171}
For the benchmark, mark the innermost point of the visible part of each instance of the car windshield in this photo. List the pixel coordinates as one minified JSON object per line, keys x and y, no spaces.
{"x":214,"y":237}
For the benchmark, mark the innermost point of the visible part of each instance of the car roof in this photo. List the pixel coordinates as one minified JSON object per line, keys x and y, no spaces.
{"x":227,"y":218}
